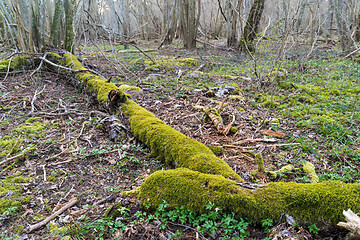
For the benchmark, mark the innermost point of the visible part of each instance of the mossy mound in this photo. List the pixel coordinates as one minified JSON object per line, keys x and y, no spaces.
{"x":320,"y":203}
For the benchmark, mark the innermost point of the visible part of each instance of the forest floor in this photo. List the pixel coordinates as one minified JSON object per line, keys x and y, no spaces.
{"x":291,"y":104}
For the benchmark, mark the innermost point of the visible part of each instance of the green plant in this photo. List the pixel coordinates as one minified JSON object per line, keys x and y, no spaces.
{"x":314,"y":229}
{"x":212,"y":222}
{"x":10,"y":210}
{"x":267,"y":224}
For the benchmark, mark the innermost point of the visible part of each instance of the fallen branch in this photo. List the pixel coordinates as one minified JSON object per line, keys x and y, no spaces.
{"x":320,"y":203}
{"x":250,"y":140}
{"x":352,"y":224}
{"x":136,"y":51}
{"x":71,"y":203}
{"x":19,"y":156}
{"x":70,"y":69}
{"x":216,"y":119}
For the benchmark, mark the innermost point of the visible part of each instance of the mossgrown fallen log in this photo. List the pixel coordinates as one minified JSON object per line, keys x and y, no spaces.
{"x":320,"y":203}
{"x":203,"y":177}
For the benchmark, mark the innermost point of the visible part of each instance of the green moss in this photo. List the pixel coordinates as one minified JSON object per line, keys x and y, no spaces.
{"x":16,"y":63}
{"x":171,"y":146}
{"x":278,"y":74}
{"x":20,"y":179}
{"x":137,"y":62}
{"x":32,"y":128}
{"x":217,"y":150}
{"x":260,"y":164}
{"x":309,"y":168}
{"x":237,"y":98}
{"x":125,"y":87}
{"x":93,"y":83}
{"x":285,"y":169}
{"x":287,"y":85}
{"x":241,"y":109}
{"x":210,"y":93}
{"x":269,"y":103}
{"x":100,"y":126}
{"x":51,"y":179}
{"x":18,"y":229}
{"x":237,"y":89}
{"x":53,"y":228}
{"x":320,"y":203}
{"x":275,"y":121}
{"x":112,"y":211}
{"x":9,"y":145}
{"x":233,"y":129}
{"x":25,"y":200}
{"x":190,"y":61}
{"x":11,"y":191}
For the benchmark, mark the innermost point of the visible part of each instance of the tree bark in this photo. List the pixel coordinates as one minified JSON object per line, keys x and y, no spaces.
{"x":231,"y":22}
{"x":301,"y":14}
{"x":343,"y":30}
{"x":189,"y":22}
{"x":251,"y":26}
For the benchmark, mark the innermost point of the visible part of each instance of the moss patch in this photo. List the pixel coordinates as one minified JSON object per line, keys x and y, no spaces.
{"x":10,"y":192}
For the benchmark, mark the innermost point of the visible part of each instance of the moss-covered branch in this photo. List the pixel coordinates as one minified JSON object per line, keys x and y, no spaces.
{"x":320,"y":203}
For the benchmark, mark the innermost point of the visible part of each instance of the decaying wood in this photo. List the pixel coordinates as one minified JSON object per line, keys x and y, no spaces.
{"x":352,"y":224}
{"x":71,"y":203}
{"x":216,"y":118}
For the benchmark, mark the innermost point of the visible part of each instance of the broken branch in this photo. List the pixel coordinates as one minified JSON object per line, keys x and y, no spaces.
{"x":71,"y":203}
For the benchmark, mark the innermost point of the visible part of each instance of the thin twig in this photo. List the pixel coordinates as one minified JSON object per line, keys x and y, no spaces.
{"x":71,"y":203}
{"x":34,"y":98}
{"x":8,"y":69}
{"x":143,"y":53}
{"x":185,"y":226}
{"x":70,"y":69}
{"x":40,"y":65}
{"x":21,"y":155}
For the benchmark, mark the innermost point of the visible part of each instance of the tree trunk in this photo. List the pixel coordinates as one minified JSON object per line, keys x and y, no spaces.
{"x":189,"y":22}
{"x":169,"y":22}
{"x":55,"y":25}
{"x":343,"y":29}
{"x":69,"y":31}
{"x":231,"y":22}
{"x":357,"y":28}
{"x":251,"y":26}
{"x":329,"y":18}
{"x":301,"y":14}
